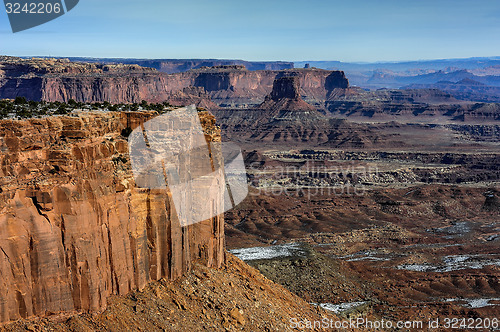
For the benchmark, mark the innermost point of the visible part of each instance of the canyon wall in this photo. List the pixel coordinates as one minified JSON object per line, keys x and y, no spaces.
{"x":74,"y":228}
{"x":59,"y":80}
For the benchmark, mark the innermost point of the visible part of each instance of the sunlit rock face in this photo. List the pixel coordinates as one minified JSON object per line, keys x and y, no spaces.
{"x":74,"y":227}
{"x":207,"y":87}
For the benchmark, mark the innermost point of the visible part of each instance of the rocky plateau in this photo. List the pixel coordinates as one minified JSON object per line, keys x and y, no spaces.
{"x":380,"y":204}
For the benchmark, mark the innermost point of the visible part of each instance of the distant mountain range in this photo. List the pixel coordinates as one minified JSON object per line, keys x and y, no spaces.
{"x":475,"y":79}
{"x":468,"y":63}
{"x":466,"y":89}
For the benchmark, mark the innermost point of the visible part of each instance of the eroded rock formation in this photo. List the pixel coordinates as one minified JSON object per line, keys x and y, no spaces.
{"x":284,"y":103}
{"x":422,"y":105}
{"x":232,"y":85}
{"x":73,"y":227}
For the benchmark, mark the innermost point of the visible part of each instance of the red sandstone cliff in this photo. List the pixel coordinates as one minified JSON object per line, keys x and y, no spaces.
{"x":58,"y":80}
{"x":285,"y":97}
{"x":73,"y":227}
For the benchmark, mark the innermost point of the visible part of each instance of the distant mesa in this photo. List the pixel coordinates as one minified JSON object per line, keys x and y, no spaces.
{"x":468,"y":81}
{"x":285,"y":103}
{"x":286,"y":87}
{"x":445,"y":82}
{"x":464,"y":81}
{"x":171,"y":66}
{"x":466,"y":89}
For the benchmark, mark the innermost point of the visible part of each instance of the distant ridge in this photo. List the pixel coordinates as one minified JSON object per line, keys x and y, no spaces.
{"x":394,"y":75}
{"x":171,"y":66}
{"x":461,"y":63}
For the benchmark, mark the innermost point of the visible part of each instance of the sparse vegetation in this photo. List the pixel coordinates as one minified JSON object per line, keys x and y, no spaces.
{"x":21,"y":108}
{"x":120,"y":159}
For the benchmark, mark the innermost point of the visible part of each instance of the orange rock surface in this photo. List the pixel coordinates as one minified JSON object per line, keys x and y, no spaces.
{"x":74,"y":229}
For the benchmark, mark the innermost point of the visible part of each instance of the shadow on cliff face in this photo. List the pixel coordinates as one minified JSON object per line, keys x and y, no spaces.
{"x":75,"y":228}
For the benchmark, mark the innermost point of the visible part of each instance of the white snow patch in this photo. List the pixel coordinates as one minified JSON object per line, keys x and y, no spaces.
{"x":282,"y":250}
{"x":337,"y":308}
{"x":371,"y":255}
{"x":453,"y":263}
{"x":476,"y":303}
{"x":368,"y":258}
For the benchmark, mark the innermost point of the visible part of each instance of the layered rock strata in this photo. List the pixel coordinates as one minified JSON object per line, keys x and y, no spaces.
{"x":233,"y":85}
{"x":74,"y":229}
{"x":285,"y":103}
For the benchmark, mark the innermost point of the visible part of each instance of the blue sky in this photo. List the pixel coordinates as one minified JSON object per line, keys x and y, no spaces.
{"x":353,"y":30}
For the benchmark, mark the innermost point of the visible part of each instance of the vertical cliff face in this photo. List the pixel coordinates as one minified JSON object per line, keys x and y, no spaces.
{"x":336,"y":80}
{"x":130,"y":88}
{"x":229,"y":85}
{"x":235,"y":85}
{"x":74,"y":229}
{"x":285,"y":103}
{"x":286,"y":87}
{"x":30,"y":88}
{"x":213,"y":81}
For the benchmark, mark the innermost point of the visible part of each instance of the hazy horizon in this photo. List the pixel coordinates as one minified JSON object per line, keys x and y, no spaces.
{"x":494,"y":57}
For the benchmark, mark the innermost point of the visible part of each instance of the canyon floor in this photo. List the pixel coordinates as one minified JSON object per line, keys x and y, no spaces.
{"x":389,"y":213}
{"x":409,"y":233}
{"x":400,"y":254}
{"x":399,"y":233}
